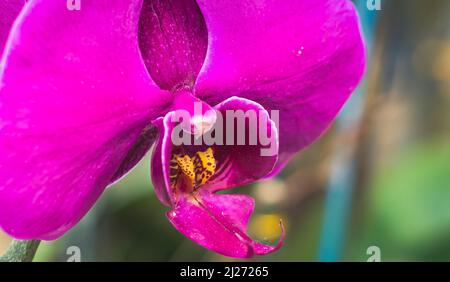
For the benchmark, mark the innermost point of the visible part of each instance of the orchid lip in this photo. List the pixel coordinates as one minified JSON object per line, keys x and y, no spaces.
{"x":194,"y":173}
{"x":182,"y":156}
{"x":188,"y":173}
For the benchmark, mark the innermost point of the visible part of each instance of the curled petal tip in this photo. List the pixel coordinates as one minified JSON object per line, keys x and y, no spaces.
{"x":261,"y":249}
{"x":218,"y":223}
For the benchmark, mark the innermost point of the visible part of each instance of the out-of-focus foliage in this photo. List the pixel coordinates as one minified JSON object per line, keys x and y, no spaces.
{"x":409,"y":210}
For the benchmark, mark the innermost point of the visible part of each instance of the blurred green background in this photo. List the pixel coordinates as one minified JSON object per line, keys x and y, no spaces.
{"x":379,"y":177}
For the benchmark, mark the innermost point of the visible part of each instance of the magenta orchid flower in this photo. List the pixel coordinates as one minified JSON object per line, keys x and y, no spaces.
{"x":85,"y":94}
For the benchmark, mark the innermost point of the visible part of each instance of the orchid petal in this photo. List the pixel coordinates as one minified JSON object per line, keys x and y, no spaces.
{"x":303,"y":58}
{"x":75,"y":99}
{"x":9,"y":9}
{"x":137,"y":152}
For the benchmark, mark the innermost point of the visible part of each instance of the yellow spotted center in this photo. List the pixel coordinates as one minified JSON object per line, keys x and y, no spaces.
{"x":193,"y":171}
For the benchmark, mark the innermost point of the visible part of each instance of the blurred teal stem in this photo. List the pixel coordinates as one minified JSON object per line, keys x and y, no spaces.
{"x":342,"y":179}
{"x":21,"y":251}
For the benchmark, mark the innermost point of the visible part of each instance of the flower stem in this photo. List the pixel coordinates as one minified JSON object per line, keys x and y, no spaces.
{"x":21,"y":251}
